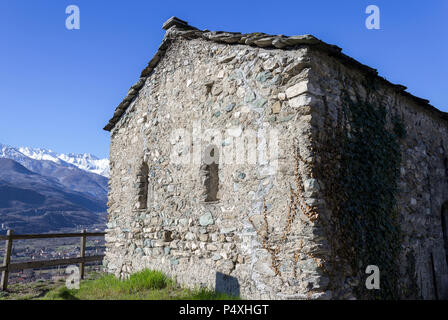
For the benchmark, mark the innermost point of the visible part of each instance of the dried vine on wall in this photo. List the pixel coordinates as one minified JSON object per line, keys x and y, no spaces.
{"x":296,"y":202}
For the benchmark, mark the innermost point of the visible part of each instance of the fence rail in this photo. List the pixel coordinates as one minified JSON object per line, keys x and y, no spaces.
{"x":82,"y":259}
{"x":50,"y":235}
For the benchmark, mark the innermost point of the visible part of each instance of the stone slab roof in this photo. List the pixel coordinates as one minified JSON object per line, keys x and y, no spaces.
{"x":178,"y":28}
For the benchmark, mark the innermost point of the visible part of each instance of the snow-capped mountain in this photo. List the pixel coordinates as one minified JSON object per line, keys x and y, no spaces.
{"x":42,"y":191}
{"x":85,"y":162}
{"x":31,"y":202}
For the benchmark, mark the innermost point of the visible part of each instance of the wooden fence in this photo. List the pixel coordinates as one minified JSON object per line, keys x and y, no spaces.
{"x":82,"y":259}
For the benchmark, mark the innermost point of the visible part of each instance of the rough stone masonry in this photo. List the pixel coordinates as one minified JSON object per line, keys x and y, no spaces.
{"x":277,"y":167}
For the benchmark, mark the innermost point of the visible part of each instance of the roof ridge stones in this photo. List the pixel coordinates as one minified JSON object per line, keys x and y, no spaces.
{"x":176,"y":27}
{"x":176,"y":22}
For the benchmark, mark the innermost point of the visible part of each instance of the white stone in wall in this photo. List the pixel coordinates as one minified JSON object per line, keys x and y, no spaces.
{"x":302,"y":87}
{"x":302,"y":100}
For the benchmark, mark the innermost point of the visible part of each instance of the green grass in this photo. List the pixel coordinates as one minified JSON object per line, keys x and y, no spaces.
{"x":29,"y":290}
{"x":144,"y":285}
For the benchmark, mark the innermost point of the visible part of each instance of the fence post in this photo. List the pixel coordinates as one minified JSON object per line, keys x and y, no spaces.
{"x":6,"y":260}
{"x":83,"y":253}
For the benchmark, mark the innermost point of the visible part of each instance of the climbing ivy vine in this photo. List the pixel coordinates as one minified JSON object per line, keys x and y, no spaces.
{"x":360,"y":170}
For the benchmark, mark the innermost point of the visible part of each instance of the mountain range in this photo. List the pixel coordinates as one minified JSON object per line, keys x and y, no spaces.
{"x":43,"y":191}
{"x":84,"y":161}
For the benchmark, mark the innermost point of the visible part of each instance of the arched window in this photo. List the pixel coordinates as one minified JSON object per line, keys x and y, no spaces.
{"x":210,"y":171}
{"x":142,"y":186}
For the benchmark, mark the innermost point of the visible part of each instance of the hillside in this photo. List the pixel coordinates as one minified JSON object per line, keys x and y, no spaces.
{"x":31,"y":202}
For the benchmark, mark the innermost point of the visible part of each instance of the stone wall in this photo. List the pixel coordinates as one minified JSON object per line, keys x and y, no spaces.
{"x":422,"y":181}
{"x":259,"y":224}
{"x":239,"y":91}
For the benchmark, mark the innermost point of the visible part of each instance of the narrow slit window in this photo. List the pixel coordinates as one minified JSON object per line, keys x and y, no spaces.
{"x":445,"y":227}
{"x":143,"y":186}
{"x":211,"y":168}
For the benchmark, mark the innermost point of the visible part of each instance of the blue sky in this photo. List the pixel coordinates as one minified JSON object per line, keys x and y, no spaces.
{"x":59,"y":87}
